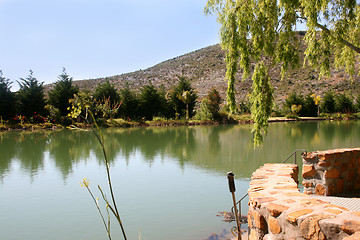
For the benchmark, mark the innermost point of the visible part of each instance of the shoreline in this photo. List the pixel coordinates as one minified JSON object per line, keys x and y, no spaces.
{"x":120,"y":123}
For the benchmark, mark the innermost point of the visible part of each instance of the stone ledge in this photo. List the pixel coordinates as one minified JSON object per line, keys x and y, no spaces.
{"x":331,"y":172}
{"x":278,"y":210}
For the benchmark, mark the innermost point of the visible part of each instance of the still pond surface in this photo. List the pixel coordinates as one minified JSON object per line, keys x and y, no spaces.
{"x":170,"y":183}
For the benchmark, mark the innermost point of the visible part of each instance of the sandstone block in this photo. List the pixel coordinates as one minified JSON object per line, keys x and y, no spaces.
{"x":260,"y":200}
{"x":259,"y":220}
{"x":320,"y":189}
{"x":331,"y":190}
{"x":356,"y":213}
{"x":274,"y":225}
{"x":326,"y":156}
{"x":332,"y":173}
{"x":331,"y":228}
{"x":350,"y":226}
{"x":309,"y":191}
{"x":307,"y":184}
{"x":333,"y":211}
{"x":308,"y":171}
{"x":350,"y":176}
{"x":355,"y":236}
{"x":325,"y":164}
{"x":255,"y":235}
{"x":357,"y":183}
{"x":340,"y":185}
{"x":352,"y":163}
{"x":276,"y":209}
{"x":310,"y":228}
{"x":292,"y":217}
{"x":344,"y":167}
{"x":337,"y":163}
{"x":310,"y":157}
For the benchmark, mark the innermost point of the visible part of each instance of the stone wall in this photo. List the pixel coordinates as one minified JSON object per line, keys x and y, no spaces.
{"x":331,"y":172}
{"x":277,"y":209}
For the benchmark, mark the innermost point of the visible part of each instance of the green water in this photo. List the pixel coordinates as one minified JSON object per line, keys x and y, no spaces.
{"x":169,"y":182}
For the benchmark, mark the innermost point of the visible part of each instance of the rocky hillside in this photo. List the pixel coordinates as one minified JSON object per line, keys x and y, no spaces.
{"x":206,"y":68}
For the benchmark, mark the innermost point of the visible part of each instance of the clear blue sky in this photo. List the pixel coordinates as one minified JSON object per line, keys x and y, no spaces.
{"x":98,"y":38}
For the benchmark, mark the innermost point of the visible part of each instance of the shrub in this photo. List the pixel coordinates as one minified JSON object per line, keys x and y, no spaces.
{"x":31,"y":96}
{"x":309,"y":109}
{"x":327,"y":104}
{"x":178,"y":103}
{"x":129,"y":103}
{"x":294,"y":100}
{"x":7,"y":103}
{"x":106,"y":91}
{"x":61,"y":93}
{"x":152,"y":103}
{"x":244,"y":106}
{"x":344,"y":103}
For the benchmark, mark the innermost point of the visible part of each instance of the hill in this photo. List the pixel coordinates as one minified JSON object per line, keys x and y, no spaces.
{"x":205,"y":68}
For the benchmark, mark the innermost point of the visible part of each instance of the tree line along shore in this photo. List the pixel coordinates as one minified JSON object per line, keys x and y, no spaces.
{"x":30,"y":106}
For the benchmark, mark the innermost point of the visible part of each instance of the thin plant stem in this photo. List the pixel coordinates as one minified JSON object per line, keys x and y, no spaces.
{"x":100,"y":138}
{"x":107,"y":227}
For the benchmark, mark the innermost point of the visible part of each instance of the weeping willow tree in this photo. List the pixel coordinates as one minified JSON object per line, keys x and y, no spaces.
{"x":264,"y":32}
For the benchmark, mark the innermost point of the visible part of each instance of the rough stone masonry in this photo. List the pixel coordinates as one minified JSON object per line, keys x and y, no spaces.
{"x":278,"y":210}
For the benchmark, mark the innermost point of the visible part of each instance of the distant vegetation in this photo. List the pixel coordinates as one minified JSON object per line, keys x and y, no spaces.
{"x":205,"y":69}
{"x":127,"y":107}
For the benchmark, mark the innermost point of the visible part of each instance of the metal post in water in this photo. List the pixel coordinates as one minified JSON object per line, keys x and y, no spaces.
{"x":230,"y":177}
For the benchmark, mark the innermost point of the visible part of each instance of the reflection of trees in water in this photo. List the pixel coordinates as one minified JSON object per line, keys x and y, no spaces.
{"x":30,"y":151}
{"x":218,"y":149}
{"x":7,"y":152}
{"x":69,"y":147}
{"x":152,"y":142}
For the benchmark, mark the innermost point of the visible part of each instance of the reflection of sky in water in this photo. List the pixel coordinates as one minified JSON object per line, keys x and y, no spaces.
{"x":169,"y":182}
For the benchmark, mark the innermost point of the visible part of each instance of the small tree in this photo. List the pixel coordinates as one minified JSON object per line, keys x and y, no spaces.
{"x":80,"y":104}
{"x":151,"y":102}
{"x":130,"y":103}
{"x":327,"y":104}
{"x":294,"y":99}
{"x":344,"y":104}
{"x":7,"y":105}
{"x":210,"y":105}
{"x":61,"y":93}
{"x":357,"y":103}
{"x":106,"y":91}
{"x":177,"y":101}
{"x":30,"y":96}
{"x":310,"y":108}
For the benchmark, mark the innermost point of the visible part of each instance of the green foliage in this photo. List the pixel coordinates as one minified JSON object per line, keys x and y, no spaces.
{"x":261,"y":102}
{"x":310,"y":109}
{"x":7,"y":99}
{"x":357,"y":103}
{"x":293,"y":100}
{"x":327,"y":105}
{"x":31,"y":96}
{"x":106,"y":109}
{"x":152,"y":103}
{"x":264,"y":29}
{"x":61,"y":93}
{"x":53,"y":113}
{"x":298,"y":105}
{"x":129,"y":103}
{"x":178,"y":103}
{"x":210,"y":106}
{"x":82,"y":102}
{"x":245,"y":106}
{"x":344,"y":104}
{"x":105,"y":91}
